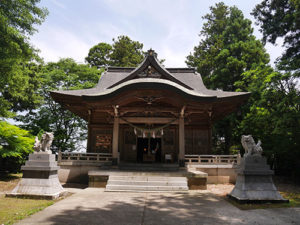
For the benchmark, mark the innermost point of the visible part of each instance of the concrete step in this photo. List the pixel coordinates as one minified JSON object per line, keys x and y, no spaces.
{"x":148,"y":167}
{"x":147,"y":178}
{"x":145,"y":188}
{"x":146,"y":183}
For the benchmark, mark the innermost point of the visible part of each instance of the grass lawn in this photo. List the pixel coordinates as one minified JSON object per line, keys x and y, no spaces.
{"x":9,"y":181}
{"x":14,"y":209}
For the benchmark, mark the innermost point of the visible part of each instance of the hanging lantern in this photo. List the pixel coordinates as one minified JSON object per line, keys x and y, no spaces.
{"x":135,"y":132}
{"x":144,"y":134}
{"x":153,"y":134}
{"x":162,"y":132}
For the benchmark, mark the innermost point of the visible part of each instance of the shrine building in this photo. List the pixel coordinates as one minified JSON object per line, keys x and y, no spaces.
{"x":150,"y":113}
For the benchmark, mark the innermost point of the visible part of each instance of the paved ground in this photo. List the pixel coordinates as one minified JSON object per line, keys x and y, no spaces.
{"x":94,"y":206}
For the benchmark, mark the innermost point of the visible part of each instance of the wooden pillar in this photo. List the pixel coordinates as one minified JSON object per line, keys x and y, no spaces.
{"x":209,"y":147}
{"x":181,"y":155}
{"x":115,"y":144}
{"x":89,"y":147}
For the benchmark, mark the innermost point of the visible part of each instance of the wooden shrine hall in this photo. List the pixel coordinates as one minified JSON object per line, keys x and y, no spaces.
{"x":150,"y":113}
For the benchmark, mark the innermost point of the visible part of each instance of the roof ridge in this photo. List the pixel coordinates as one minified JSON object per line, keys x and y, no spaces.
{"x":151,"y":61}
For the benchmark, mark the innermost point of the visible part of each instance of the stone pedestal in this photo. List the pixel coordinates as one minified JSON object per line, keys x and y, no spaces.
{"x":40,"y":179}
{"x":254,"y":182}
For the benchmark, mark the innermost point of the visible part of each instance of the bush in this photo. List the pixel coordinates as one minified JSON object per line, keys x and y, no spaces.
{"x":15,"y":145}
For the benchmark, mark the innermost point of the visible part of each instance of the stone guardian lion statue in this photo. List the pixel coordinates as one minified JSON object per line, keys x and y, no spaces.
{"x":250,"y":147}
{"x":44,"y":144}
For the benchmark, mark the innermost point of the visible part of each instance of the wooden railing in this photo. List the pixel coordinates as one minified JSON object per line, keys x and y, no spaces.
{"x":92,"y":157}
{"x":107,"y":157}
{"x":212,"y":159}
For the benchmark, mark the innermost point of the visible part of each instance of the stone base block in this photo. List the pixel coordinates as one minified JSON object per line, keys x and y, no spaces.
{"x":98,"y":181}
{"x":218,"y":179}
{"x":197,"y":183}
{"x":256,"y":201}
{"x":40,"y":178}
{"x":35,"y":196}
{"x":38,"y":188}
{"x":254,"y":182}
{"x":197,"y":180}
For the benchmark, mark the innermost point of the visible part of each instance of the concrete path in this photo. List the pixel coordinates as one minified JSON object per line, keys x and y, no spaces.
{"x":94,"y":206}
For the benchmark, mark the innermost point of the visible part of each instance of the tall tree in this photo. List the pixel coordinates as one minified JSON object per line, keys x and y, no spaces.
{"x":17,"y":22}
{"x":123,"y":52}
{"x":277,"y":111}
{"x":126,"y":52}
{"x":274,"y":116}
{"x":227,"y":49}
{"x":99,"y":55}
{"x":281,"y":19}
{"x":69,"y":130}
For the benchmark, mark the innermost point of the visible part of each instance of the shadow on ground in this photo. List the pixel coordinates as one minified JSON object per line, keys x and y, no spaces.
{"x":146,"y":209}
{"x":9,"y":177}
{"x":75,"y":185}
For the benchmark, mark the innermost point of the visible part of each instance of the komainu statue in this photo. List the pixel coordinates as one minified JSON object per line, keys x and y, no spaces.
{"x":250,"y":147}
{"x":44,"y":144}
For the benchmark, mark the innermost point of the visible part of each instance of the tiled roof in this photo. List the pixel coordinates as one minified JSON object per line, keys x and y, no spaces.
{"x":184,"y":79}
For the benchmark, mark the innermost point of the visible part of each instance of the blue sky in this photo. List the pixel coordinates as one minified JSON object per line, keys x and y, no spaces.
{"x":170,"y":27}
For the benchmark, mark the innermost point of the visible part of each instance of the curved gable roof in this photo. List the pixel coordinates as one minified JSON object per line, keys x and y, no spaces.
{"x":150,"y":62}
{"x":116,"y":78}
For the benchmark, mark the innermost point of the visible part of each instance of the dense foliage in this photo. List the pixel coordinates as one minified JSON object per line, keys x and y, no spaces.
{"x":230,"y":58}
{"x":227,"y":49}
{"x":15,"y":145}
{"x":274,"y":117}
{"x":281,"y":19}
{"x":17,"y":22}
{"x":279,"y":108}
{"x":123,"y":52}
{"x":69,"y":130}
{"x":18,"y":79}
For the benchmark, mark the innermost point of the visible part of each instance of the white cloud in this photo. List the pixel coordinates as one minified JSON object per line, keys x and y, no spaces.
{"x":170,"y":27}
{"x":56,"y":43}
{"x":59,"y":4}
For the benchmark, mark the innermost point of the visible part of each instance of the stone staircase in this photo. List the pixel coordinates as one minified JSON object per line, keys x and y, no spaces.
{"x":151,"y":167}
{"x":146,"y":183}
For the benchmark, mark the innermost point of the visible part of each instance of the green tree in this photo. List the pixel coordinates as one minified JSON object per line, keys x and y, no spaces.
{"x":15,"y":145}
{"x":274,"y":116}
{"x":124,"y":52}
{"x":281,"y":19}
{"x":69,"y":130}
{"x":227,"y":49}
{"x":275,"y":108}
{"x":99,"y":55}
{"x":17,"y":22}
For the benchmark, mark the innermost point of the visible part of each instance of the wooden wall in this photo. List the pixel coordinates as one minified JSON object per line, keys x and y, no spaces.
{"x":197,"y":140}
{"x":100,"y":139}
